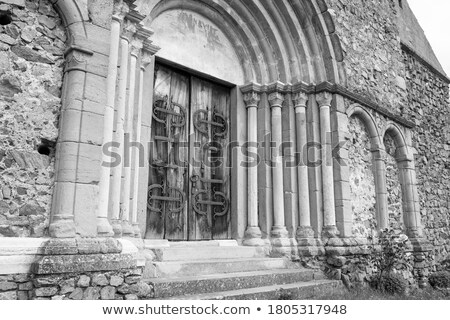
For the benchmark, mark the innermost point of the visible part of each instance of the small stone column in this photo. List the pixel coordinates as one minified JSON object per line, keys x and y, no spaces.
{"x":127,"y":229}
{"x":253,"y":232}
{"x":324,"y":100}
{"x":304,"y":229}
{"x":146,"y":58}
{"x":280,"y":241}
{"x":116,"y":181}
{"x":104,"y":228}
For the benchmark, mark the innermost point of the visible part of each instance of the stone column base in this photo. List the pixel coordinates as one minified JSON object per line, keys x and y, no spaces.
{"x":253,"y":238}
{"x":330,"y":232}
{"x":127,"y":229}
{"x":62,"y":228}
{"x":310,"y":247}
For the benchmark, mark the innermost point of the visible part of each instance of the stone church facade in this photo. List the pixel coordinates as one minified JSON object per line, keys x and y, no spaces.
{"x":136,"y":135}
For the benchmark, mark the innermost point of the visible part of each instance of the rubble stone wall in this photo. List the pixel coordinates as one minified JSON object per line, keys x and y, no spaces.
{"x":31,"y":71}
{"x":362,"y":181}
{"x":370,"y":42}
{"x":428,"y":104}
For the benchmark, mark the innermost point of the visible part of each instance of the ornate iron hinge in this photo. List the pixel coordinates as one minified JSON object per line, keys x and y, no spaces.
{"x":218,"y":124}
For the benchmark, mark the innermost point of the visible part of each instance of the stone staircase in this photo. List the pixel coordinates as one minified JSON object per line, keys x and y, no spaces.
{"x":223,"y":270}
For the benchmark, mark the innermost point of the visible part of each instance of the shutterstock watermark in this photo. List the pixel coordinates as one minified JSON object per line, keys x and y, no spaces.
{"x":224,"y":155}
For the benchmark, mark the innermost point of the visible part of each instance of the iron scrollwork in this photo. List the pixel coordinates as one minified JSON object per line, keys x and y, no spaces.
{"x":166,"y":200}
{"x":218,"y":124}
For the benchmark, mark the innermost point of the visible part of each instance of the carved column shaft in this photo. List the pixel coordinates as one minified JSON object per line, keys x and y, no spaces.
{"x":324,"y":100}
{"x":304,"y":230}
{"x":253,"y":232}
{"x":116,"y":181}
{"x":279,"y":233}
{"x":127,"y":230}
{"x":104,"y":229}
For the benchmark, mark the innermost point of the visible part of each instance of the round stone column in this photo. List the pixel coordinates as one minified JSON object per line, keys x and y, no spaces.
{"x":304,"y":229}
{"x":324,"y":100}
{"x":279,"y":234}
{"x":253,"y":232}
{"x":104,"y":228}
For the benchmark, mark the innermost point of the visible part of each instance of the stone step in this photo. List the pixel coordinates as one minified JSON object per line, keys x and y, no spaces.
{"x":292,"y":291}
{"x":195,"y":253}
{"x":168,"y":287}
{"x":167,"y":269}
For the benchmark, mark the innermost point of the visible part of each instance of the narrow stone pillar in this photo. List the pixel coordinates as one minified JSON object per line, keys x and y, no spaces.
{"x":116,"y":181}
{"x":127,"y":229}
{"x":253,"y":232}
{"x":104,"y":228}
{"x":279,"y":233}
{"x":304,"y":229}
{"x":146,"y":58}
{"x":380,"y":188}
{"x":324,"y":100}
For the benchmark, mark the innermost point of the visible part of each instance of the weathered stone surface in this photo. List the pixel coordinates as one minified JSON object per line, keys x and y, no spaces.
{"x":100,"y":280}
{"x":108,"y":293}
{"x":84,"y":281}
{"x":9,"y":295}
{"x":116,"y":281}
{"x":46,"y":281}
{"x":7,"y":286}
{"x":131,"y":297}
{"x":132,"y":279}
{"x":83,"y":263}
{"x":46,"y":291}
{"x":60,"y":247}
{"x":91,"y":293}
{"x":88,"y":246}
{"x":67,"y":286}
{"x":77,"y":294}
{"x":30,"y":55}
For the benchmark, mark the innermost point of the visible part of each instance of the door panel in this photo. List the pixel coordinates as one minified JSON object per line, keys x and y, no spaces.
{"x":168,"y":201}
{"x":189,"y":192}
{"x":209,"y":171}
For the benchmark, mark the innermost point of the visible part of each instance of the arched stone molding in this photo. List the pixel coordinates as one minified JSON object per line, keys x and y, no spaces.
{"x":377,"y":149}
{"x":288,"y":41}
{"x":407,"y":176}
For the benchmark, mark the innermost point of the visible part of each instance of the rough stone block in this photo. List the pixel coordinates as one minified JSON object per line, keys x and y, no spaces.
{"x":83,"y":263}
{"x":60,"y":247}
{"x":77,"y":294}
{"x":91,"y":293}
{"x":100,"y":280}
{"x":84,"y":281}
{"x":116,"y":281}
{"x":108,"y":293}
{"x":8,"y":295}
{"x":46,"y":281}
{"x":46,"y":291}
{"x":7,"y":286}
{"x":88,"y":246}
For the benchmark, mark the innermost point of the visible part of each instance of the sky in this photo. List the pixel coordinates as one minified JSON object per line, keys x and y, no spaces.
{"x":434,"y":18}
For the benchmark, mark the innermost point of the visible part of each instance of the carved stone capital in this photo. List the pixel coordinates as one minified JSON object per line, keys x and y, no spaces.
{"x":76,"y":59}
{"x":276,"y":99}
{"x":300,"y":99}
{"x":136,"y":47}
{"x":252,"y":99}
{"x":146,"y":59}
{"x":324,"y":99}
{"x":120,"y":10}
{"x":128,"y":30}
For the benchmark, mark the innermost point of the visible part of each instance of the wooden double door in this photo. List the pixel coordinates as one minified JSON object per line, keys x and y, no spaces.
{"x":189,"y":191}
